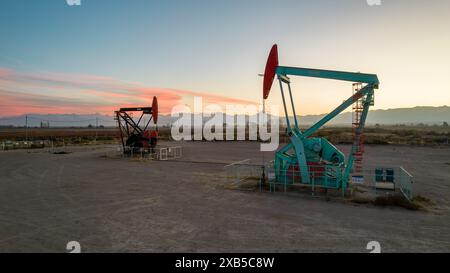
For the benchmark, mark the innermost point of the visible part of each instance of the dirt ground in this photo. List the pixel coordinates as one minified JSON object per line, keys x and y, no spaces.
{"x":122,"y":205}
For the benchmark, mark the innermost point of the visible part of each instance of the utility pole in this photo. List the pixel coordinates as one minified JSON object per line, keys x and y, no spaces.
{"x":26,"y":131}
{"x":96,"y":129}
{"x":26,"y":128}
{"x":263,"y":123}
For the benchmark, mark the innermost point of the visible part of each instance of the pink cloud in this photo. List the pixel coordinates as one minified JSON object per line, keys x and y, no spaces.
{"x":18,"y":104}
{"x":60,"y":93}
{"x":4,"y":72}
{"x":101,"y":93}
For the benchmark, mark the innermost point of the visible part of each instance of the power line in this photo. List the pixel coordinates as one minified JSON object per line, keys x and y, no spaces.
{"x":61,"y":121}
{"x":25,"y":121}
{"x":6,"y":119}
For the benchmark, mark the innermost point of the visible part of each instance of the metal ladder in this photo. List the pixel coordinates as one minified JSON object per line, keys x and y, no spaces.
{"x":358,"y":137}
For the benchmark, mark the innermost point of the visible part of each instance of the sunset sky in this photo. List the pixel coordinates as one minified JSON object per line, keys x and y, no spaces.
{"x":105,"y":54}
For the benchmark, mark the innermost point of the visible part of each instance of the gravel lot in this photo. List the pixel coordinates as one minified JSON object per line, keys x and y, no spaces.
{"x":123,"y":205}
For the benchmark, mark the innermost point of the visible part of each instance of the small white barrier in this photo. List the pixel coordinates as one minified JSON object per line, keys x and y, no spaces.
{"x":168,"y":153}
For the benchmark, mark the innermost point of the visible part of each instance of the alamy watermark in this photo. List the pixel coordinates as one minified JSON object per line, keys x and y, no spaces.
{"x":78,"y":2}
{"x":73,"y":247}
{"x":374,"y":247}
{"x":373,"y":2}
{"x":73,"y":2}
{"x":235,"y":122}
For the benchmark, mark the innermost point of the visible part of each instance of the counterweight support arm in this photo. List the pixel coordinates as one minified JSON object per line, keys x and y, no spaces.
{"x":363,"y":92}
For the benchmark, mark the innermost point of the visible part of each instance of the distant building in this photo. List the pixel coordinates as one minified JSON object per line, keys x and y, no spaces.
{"x":45,"y":124}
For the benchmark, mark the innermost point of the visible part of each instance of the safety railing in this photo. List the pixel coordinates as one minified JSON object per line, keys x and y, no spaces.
{"x":240,"y":171}
{"x":377,"y":180}
{"x":406,"y":183}
{"x":323,"y":176}
{"x":31,"y":144}
{"x":382,"y":180}
{"x":168,"y":153}
{"x":160,"y":153}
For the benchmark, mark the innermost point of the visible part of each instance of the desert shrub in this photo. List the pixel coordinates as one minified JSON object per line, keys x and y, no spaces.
{"x":395,"y":201}
{"x":417,"y":203}
{"x":376,"y":141}
{"x":423,"y":202}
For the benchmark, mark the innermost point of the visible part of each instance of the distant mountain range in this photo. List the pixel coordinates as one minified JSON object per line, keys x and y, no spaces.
{"x":416,"y":115}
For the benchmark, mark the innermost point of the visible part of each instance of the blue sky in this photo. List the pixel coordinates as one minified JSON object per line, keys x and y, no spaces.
{"x":219,"y":46}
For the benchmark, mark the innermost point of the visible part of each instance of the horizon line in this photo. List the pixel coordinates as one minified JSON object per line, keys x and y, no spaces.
{"x":99,"y":114}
